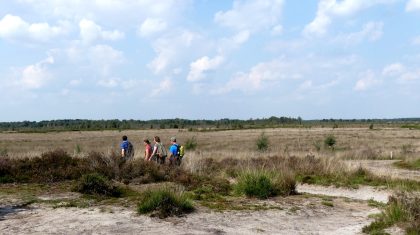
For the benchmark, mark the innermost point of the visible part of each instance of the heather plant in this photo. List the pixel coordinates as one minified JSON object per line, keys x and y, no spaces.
{"x":98,"y":185}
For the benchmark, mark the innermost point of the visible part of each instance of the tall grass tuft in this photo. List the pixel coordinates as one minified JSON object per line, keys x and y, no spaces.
{"x":164,"y":203}
{"x":264,"y":184}
{"x":402,"y":209}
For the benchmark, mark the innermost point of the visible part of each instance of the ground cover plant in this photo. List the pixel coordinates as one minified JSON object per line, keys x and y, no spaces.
{"x":98,"y":185}
{"x":164,"y":203}
{"x":402,"y":209}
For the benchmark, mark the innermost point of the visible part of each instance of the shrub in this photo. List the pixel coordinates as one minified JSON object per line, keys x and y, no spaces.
{"x":403,"y":209}
{"x":164,"y":203}
{"x":96,"y":184}
{"x":264,"y":184}
{"x":262,"y":142}
{"x":143,"y":171}
{"x":191,"y":143}
{"x":330,"y":141}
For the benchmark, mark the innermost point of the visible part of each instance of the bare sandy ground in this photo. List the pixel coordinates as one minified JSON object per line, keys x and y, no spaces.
{"x":362,"y":193}
{"x":299,"y":215}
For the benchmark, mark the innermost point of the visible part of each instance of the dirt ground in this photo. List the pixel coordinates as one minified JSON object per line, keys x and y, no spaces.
{"x":300,"y":214}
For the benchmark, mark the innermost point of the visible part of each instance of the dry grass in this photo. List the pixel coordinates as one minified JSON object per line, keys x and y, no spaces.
{"x":359,"y":143}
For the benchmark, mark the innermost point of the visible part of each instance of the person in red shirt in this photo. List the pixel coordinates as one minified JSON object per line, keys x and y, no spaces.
{"x":147,"y":150}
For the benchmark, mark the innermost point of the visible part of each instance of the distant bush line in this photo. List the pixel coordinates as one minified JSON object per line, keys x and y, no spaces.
{"x":195,"y":125}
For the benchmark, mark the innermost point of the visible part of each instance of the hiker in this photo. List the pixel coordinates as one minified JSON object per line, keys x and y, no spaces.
{"x":147,"y":150}
{"x":174,"y":158}
{"x":127,"y":150}
{"x":159,"y":151}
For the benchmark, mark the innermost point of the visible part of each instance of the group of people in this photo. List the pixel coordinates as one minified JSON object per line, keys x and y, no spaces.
{"x":156,"y":153}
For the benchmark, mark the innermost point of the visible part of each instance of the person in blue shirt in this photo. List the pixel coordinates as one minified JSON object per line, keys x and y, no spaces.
{"x":173,"y":153}
{"x":126,"y":148}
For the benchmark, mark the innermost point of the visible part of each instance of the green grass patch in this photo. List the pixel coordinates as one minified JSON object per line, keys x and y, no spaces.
{"x":164,"y":203}
{"x":264,"y":184}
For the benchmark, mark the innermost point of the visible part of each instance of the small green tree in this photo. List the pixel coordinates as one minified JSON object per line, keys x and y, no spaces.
{"x":330,"y":141}
{"x":191,"y":143}
{"x":262,"y":142}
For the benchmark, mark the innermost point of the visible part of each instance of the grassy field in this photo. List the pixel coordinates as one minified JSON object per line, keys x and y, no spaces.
{"x":360,"y":143}
{"x":224,"y":168}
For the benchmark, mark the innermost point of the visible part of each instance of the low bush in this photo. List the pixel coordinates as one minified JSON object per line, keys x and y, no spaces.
{"x":264,"y":184}
{"x":402,"y":209}
{"x":262,"y":143}
{"x":164,"y":203}
{"x":330,"y":141}
{"x":191,"y":143}
{"x":98,"y":185}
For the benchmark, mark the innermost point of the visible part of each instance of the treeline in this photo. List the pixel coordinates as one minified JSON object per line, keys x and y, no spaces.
{"x":115,"y":124}
{"x":197,"y":125}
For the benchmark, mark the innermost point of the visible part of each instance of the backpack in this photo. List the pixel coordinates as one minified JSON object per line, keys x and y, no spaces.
{"x":130,"y":150}
{"x":161,"y":151}
{"x":180,"y":151}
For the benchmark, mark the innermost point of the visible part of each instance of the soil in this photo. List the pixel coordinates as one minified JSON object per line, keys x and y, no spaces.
{"x":297,"y":215}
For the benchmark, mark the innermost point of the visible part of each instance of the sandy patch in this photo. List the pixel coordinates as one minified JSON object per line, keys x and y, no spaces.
{"x":362,"y":193}
{"x":299,"y":215}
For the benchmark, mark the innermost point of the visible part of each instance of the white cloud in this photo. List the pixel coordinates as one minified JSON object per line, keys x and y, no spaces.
{"x":251,"y":15}
{"x":90,"y":32}
{"x":121,"y":12}
{"x":277,"y":30}
{"x":413,"y":5}
{"x":171,"y":48}
{"x":327,"y":9}
{"x":401,"y":72}
{"x":393,"y":69}
{"x":35,"y":76}
{"x":109,"y":83}
{"x":15,"y":28}
{"x":367,"y":81}
{"x":164,"y":86}
{"x":371,"y":31}
{"x":200,"y":66}
{"x":256,"y":77}
{"x":416,"y":40}
{"x":104,"y":58}
{"x":151,"y":26}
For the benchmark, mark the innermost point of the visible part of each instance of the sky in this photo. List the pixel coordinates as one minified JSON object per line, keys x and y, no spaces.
{"x":209,"y":59}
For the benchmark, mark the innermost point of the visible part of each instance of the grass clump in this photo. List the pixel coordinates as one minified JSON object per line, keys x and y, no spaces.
{"x":403,"y":210}
{"x":262,"y":143}
{"x":264,"y":184}
{"x":164,"y":203}
{"x":98,"y":185}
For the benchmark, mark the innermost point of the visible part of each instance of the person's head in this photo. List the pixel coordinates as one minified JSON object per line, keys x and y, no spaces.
{"x":173,"y":139}
{"x":146,"y":141}
{"x":124,"y":137}
{"x":157,"y":139}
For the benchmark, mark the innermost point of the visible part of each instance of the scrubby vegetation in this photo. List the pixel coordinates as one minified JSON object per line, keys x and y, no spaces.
{"x":402,"y":209}
{"x":413,"y":164}
{"x":262,"y":143}
{"x":264,"y":184}
{"x":165,"y":202}
{"x":96,"y":184}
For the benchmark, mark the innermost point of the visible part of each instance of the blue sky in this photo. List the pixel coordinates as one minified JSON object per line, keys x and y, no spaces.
{"x":208,"y":59}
